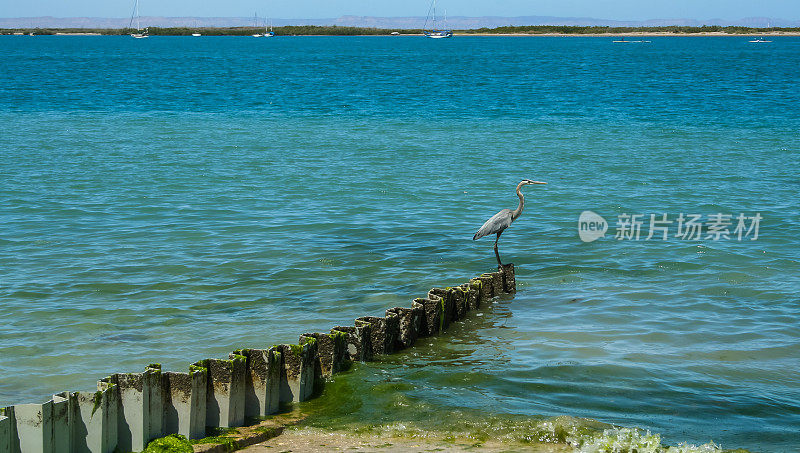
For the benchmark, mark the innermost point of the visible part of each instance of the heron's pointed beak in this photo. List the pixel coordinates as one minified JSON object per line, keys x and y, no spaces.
{"x":537,"y":182}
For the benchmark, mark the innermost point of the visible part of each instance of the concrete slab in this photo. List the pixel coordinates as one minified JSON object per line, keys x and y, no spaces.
{"x":475,"y":298}
{"x":431,"y":323}
{"x":12,"y":441}
{"x":185,"y":403}
{"x":384,"y":332}
{"x":332,"y":350}
{"x":94,"y":420}
{"x":62,"y":427}
{"x":409,"y":321}
{"x":448,"y":308}
{"x":358,"y":341}
{"x":497,"y":283}
{"x":509,"y":279}
{"x":459,"y":297}
{"x":487,"y":287}
{"x":133,"y":416}
{"x":155,"y":384}
{"x":262,"y":381}
{"x":225,"y":391}
{"x":34,"y":426}
{"x":5,"y":434}
{"x":298,"y":374}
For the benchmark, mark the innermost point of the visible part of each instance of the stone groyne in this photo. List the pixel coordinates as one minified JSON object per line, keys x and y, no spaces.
{"x":128,"y":410}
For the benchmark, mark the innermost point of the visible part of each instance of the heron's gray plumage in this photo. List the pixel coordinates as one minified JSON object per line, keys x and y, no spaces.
{"x":496,"y":224}
{"x":502,"y":220}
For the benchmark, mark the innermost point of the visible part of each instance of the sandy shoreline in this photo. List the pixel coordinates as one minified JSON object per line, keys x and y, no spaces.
{"x":307,"y":440}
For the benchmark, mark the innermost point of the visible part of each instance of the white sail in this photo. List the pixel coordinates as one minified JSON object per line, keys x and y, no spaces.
{"x":435,"y":32}
{"x":135,"y":15}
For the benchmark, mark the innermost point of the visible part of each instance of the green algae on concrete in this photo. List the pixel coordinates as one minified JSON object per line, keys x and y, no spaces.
{"x":262,"y":381}
{"x":225,"y":382}
{"x":185,"y":400}
{"x":408,"y":326}
{"x":298,"y":376}
{"x":383,"y":333}
{"x":332,"y":351}
{"x":358,"y":344}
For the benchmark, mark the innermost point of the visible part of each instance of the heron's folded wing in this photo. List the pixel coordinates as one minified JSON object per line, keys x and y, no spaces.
{"x":497,"y":223}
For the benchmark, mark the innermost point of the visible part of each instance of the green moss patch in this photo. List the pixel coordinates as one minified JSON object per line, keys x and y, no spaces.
{"x":174,"y":443}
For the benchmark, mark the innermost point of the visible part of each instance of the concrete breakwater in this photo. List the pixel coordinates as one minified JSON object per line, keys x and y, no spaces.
{"x":130,"y":409}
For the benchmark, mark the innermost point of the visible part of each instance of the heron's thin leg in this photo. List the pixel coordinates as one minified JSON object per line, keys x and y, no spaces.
{"x":496,"y":253}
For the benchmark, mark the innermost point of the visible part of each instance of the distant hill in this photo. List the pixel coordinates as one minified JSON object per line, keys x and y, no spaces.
{"x":457,"y":22}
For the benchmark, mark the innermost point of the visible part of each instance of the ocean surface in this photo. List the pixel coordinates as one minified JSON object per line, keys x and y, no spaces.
{"x":174,"y":198}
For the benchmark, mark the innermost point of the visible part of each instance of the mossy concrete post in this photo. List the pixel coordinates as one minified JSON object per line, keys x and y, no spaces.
{"x":459,"y":298}
{"x":487,"y":287}
{"x":5,"y":434}
{"x":155,"y":384}
{"x":475,"y":298}
{"x":443,"y":296}
{"x":358,"y":344}
{"x":95,"y":419}
{"x":262,"y":381}
{"x":274,"y":371}
{"x":432,"y":315}
{"x":408,"y":326}
{"x":384,"y":332}
{"x":13,"y":440}
{"x":298,"y":374}
{"x":420,"y":319}
{"x":332,"y":350}
{"x":392,"y":331}
{"x":225,"y":394}
{"x":133,"y":416}
{"x":62,"y":424}
{"x":496,"y":282}
{"x":509,"y":280}
{"x":185,"y":403}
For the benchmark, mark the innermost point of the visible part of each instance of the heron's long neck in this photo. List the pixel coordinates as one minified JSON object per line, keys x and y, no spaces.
{"x":518,"y":212}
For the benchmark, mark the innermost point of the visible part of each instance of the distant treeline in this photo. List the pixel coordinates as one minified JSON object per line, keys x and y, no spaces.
{"x":352,"y":31}
{"x":289,"y":30}
{"x":592,"y":30}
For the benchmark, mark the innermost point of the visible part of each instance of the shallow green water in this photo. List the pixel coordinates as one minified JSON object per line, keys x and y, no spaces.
{"x":178,"y":198}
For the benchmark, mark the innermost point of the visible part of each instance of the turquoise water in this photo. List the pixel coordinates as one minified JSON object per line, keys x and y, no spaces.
{"x":171,"y":199}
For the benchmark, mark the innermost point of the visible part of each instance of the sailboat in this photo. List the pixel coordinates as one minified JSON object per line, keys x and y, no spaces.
{"x":434,"y":32}
{"x":139,"y":34}
{"x":268,"y":33}
{"x":255,"y":24}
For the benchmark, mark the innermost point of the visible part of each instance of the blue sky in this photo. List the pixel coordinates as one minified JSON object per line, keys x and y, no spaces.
{"x":604,"y":9}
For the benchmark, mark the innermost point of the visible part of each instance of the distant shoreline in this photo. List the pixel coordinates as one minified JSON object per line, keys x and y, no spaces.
{"x":315,"y":30}
{"x":615,"y":35}
{"x":458,"y":34}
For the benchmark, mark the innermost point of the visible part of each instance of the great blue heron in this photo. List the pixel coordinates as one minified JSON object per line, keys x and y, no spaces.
{"x":502,"y":220}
